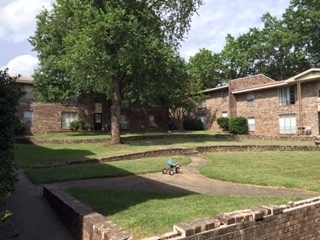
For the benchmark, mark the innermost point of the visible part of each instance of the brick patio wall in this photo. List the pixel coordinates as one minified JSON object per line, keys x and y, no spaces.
{"x":298,"y":220}
{"x":295,"y":220}
{"x":82,"y":221}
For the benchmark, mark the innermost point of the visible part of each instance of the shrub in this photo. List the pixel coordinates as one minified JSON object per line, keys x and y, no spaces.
{"x":9,"y":96}
{"x":20,"y":128}
{"x":192,"y":124}
{"x":77,"y":125}
{"x":223,"y":122}
{"x":238,"y":125}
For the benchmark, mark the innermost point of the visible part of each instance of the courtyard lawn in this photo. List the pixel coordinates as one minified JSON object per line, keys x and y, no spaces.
{"x":148,"y":214}
{"x":152,"y":214}
{"x":300,"y":170}
{"x":103,"y":170}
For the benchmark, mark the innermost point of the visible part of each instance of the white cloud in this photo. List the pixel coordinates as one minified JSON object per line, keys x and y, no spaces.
{"x":218,"y":18}
{"x":17,"y":18}
{"x":23,"y":65}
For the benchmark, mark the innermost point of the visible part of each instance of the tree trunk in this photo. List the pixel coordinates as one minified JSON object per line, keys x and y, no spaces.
{"x":115,"y":112}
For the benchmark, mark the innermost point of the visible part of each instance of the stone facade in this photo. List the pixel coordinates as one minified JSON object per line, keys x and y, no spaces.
{"x":265,"y":109}
{"x":95,"y":112}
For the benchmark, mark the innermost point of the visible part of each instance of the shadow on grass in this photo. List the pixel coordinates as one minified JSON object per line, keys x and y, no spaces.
{"x":99,"y":176}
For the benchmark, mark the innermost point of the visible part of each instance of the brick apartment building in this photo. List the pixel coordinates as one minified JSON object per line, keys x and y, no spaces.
{"x":43,"y":118}
{"x":273,"y":108}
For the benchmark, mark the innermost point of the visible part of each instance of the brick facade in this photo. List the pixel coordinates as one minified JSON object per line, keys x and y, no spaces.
{"x":47,"y":117}
{"x":265,"y":108}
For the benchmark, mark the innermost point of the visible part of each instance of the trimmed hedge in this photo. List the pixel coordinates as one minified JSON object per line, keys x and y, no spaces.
{"x":238,"y":125}
{"x":223,"y":122}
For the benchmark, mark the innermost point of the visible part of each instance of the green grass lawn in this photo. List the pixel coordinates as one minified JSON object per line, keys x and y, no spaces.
{"x":153,"y":214}
{"x":103,"y":170}
{"x":148,"y":214}
{"x":300,"y":170}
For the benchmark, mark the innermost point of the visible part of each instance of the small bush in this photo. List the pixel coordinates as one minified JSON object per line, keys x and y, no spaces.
{"x":77,"y":125}
{"x":238,"y":125}
{"x":223,"y":122}
{"x":193,"y":124}
{"x":19,"y":130}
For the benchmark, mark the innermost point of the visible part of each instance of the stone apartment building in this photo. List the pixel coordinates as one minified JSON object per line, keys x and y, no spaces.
{"x":273,"y":108}
{"x":43,"y":118}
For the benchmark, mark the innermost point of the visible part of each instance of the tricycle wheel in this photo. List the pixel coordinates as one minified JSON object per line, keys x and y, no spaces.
{"x":171,"y":172}
{"x":178,"y":170}
{"x":164,"y":171}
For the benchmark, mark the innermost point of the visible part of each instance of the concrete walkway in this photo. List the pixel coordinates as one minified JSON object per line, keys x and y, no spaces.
{"x":34,"y":219}
{"x":190,"y":181}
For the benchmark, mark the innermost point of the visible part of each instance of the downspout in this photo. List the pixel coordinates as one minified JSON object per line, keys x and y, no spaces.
{"x":300,"y":124}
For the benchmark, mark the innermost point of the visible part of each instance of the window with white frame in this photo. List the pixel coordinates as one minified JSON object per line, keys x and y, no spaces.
{"x":287,"y":124}
{"x":125,"y":121}
{"x":28,"y":118}
{"x":224,"y":114}
{"x":251,"y":124}
{"x":28,"y":92}
{"x":250,"y":99}
{"x":203,"y":119}
{"x":287,"y":96}
{"x":67,"y":118}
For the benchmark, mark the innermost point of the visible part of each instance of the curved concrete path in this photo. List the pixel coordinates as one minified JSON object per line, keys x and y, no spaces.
{"x":190,"y":181}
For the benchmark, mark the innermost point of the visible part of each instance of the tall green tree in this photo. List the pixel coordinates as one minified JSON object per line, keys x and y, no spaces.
{"x":207,"y":67}
{"x":302,"y":20}
{"x":125,"y":50}
{"x":9,"y":96}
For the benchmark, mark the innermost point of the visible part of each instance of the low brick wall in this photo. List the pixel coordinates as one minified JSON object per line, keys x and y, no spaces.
{"x":255,"y":148}
{"x":300,"y":220}
{"x":82,"y":221}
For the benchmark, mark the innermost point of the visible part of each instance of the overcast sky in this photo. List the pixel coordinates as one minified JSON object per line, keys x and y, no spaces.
{"x":209,"y":28}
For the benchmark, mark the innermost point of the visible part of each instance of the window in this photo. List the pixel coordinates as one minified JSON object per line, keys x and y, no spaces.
{"x":287,"y":124}
{"x":29,"y":94}
{"x":203,"y":119}
{"x":224,"y":114}
{"x":67,"y":118}
{"x":250,"y":99}
{"x":287,"y":96}
{"x":251,"y":124}
{"x":28,"y":118}
{"x":125,"y":121}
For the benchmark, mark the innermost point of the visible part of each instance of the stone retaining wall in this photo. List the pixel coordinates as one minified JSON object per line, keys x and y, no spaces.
{"x":230,"y":137}
{"x":300,"y":220}
{"x":295,"y":220}
{"x":183,"y":151}
{"x":82,"y":221}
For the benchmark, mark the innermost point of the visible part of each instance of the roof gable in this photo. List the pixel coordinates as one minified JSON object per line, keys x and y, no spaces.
{"x":309,"y":75}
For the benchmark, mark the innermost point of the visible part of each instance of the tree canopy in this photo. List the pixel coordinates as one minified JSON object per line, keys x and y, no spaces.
{"x":125,"y":50}
{"x":283,"y":48}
